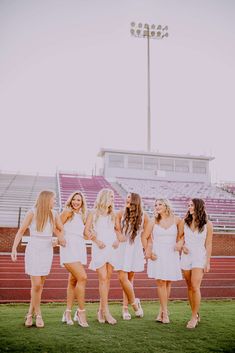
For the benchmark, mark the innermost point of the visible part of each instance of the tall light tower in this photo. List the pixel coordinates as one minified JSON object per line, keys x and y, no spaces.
{"x":147,"y":31}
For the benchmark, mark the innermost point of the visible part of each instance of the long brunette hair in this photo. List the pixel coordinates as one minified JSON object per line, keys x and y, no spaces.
{"x":200,"y":215}
{"x":132,"y":218}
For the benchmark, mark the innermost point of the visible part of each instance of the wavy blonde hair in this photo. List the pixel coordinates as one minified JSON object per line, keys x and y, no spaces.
{"x":103,"y":204}
{"x":69,"y":207}
{"x":43,"y":210}
{"x":169,"y":210}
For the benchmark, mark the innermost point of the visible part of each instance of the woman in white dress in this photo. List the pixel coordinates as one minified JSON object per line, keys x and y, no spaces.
{"x":195,"y":258}
{"x":42,"y":221}
{"x":100,"y":229}
{"x":164,"y":228}
{"x":130,"y":222}
{"x":73,"y":256}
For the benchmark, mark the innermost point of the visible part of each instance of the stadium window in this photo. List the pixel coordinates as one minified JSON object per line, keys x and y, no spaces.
{"x":181,"y":166}
{"x":116,"y":161}
{"x":150,"y":163}
{"x":199,"y":167}
{"x":166,"y":164}
{"x":135,"y":162}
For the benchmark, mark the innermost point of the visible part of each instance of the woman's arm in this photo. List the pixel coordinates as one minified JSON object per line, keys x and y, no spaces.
{"x":147,"y":230}
{"x":180,"y":234}
{"x":208,"y":245}
{"x":59,"y":229}
{"x":147,"y":240}
{"x":88,"y":232}
{"x":118,"y":230}
{"x":26,"y":223}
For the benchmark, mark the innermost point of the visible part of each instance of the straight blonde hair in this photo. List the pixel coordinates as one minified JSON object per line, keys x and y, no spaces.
{"x":43,"y":210}
{"x":68,"y":205}
{"x":103,"y":204}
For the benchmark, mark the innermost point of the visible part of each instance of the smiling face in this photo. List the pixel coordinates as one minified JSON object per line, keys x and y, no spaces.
{"x":76,"y":202}
{"x":191,"y":207}
{"x":160,"y":207}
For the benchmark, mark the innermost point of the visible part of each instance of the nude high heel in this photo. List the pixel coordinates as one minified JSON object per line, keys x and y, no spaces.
{"x":77,"y":318}
{"x":64,"y":318}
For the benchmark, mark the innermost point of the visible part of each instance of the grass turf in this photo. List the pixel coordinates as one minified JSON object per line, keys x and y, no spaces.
{"x":215,"y":333}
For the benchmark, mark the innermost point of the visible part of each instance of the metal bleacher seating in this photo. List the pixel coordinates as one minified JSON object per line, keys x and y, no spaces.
{"x":18,"y":194}
{"x":220,"y":204}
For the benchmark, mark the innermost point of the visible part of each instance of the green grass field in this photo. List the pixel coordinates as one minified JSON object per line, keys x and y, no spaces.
{"x":215,"y":333}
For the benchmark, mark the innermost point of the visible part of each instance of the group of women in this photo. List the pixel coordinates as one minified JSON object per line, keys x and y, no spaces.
{"x":121,"y":241}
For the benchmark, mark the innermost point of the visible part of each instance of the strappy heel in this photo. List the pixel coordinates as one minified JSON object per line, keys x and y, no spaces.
{"x":109,"y":318}
{"x":139,"y":312}
{"x":165,"y":318}
{"x":192,"y":323}
{"x":100,"y":317}
{"x":125,"y":313}
{"x":65,"y":319}
{"x":28,"y":320}
{"x":159,"y":317}
{"x":39,"y":321}
{"x":78,"y":319}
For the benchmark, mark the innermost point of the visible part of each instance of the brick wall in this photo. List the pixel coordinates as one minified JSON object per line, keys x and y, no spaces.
{"x":223,"y":244}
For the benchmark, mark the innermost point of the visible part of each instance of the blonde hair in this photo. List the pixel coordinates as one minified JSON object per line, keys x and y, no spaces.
{"x":68,"y":205}
{"x":169,"y":210}
{"x":103,"y":204}
{"x":43,"y":210}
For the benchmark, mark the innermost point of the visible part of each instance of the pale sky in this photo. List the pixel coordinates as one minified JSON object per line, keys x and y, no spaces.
{"x":73,"y":80}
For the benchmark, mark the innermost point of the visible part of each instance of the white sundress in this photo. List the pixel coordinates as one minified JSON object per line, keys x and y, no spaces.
{"x":104,"y":228}
{"x":167,"y":265}
{"x":75,"y":249}
{"x":130,"y":256}
{"x":39,"y":250}
{"x":195,"y":242}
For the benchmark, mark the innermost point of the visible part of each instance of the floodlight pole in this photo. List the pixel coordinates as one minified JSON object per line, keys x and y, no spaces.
{"x":141,"y":31}
{"x":148,"y":93}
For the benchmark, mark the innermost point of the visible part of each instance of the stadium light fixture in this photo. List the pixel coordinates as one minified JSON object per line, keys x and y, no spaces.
{"x":148,"y":31}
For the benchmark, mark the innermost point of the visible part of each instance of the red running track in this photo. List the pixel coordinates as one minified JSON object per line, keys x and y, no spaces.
{"x":15,"y":284}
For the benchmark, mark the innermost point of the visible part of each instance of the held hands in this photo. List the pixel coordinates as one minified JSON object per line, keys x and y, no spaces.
{"x":92,"y":236}
{"x":178,"y":247}
{"x":62,"y":241}
{"x":14,"y":255}
{"x":149,"y":254}
{"x":115,"y":244}
{"x":54,"y":242}
{"x":100,"y":244}
{"x":185,"y":250}
{"x":153,"y":256}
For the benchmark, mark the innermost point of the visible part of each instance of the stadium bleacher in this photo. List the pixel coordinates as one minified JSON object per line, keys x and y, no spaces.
{"x":89,"y":186}
{"x":220,"y":204}
{"x":18,"y":194}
